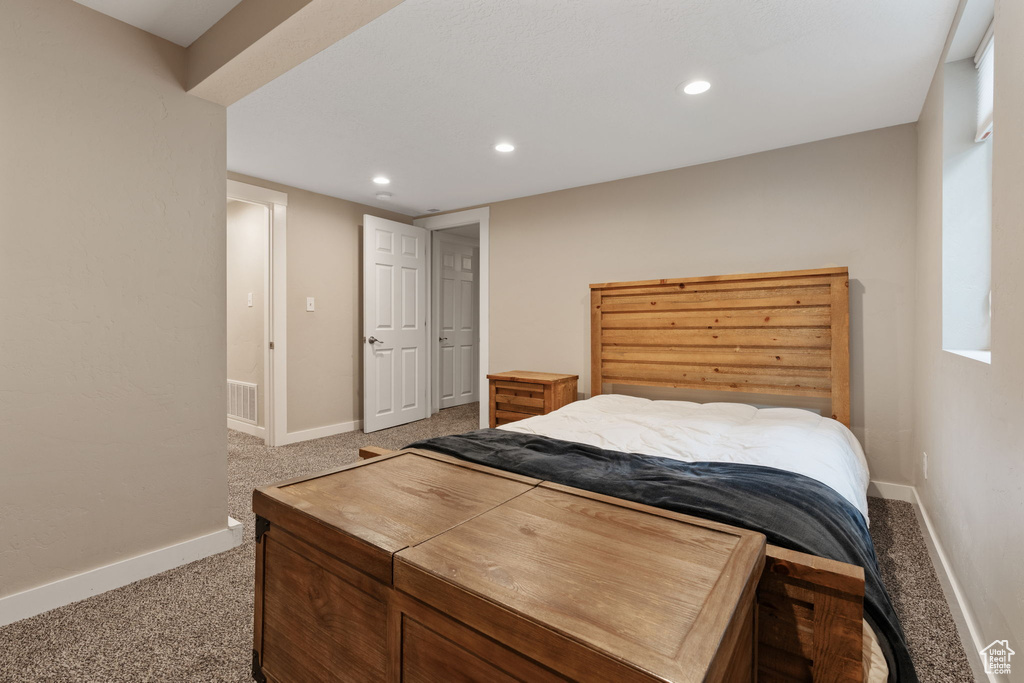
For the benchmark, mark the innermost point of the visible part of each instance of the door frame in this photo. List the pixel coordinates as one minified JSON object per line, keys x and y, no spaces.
{"x":435,"y":309}
{"x":458,"y":219}
{"x":275,"y":316}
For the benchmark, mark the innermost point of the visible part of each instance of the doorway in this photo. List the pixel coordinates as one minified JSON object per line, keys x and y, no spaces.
{"x":256,"y":315}
{"x":455,"y":314}
{"x":478,"y":220}
{"x":248,"y":246}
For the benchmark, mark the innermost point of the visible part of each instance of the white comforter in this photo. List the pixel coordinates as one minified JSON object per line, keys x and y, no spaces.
{"x":784,"y":438}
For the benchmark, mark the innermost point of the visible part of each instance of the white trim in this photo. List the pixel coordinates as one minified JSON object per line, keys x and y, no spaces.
{"x":320,"y":432}
{"x":883,"y":489}
{"x":255,"y":193}
{"x":962,"y":614}
{"x":985,"y":46}
{"x":247,"y":428}
{"x":980,"y":356}
{"x":275,"y":289}
{"x":278,"y":405}
{"x":50,"y":596}
{"x":481,"y":217}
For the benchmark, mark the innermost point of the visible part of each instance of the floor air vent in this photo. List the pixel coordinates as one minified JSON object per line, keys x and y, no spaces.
{"x":242,"y":401}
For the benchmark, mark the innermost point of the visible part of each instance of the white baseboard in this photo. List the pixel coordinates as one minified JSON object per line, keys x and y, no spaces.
{"x":50,"y":596}
{"x":247,"y":428}
{"x":320,"y":432}
{"x":883,"y":489}
{"x":962,"y":614}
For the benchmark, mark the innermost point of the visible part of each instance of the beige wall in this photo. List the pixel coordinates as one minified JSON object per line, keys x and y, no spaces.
{"x":247,"y":237}
{"x":112,"y":269}
{"x":846,"y":201}
{"x":324,"y":347}
{"x":968,"y":414}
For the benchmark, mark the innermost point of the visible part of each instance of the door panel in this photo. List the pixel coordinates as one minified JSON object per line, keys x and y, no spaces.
{"x":394,"y":309}
{"x":456,"y":319}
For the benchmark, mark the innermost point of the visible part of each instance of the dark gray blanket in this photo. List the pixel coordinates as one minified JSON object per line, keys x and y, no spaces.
{"x":791,"y":510}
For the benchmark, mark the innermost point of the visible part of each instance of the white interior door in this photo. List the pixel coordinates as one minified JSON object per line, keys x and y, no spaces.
{"x":456,"y":314}
{"x":394,"y":323}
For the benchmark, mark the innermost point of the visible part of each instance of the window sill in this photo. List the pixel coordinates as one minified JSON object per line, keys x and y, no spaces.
{"x":981,"y":356}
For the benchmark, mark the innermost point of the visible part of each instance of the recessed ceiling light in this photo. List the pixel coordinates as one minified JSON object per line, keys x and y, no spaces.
{"x":504,"y":147}
{"x":385,"y":196}
{"x":696,"y":87}
{"x":382,"y":180}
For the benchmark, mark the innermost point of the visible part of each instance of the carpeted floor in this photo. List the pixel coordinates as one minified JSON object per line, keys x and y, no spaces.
{"x":194,"y":623}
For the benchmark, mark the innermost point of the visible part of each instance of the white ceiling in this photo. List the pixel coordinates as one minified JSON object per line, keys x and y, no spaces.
{"x":179,"y":21}
{"x":586,"y":89}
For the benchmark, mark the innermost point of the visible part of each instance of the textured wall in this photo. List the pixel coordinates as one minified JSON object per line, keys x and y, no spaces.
{"x":324,"y":347}
{"x":112,"y":308}
{"x":968,"y":413}
{"x":247,"y":237}
{"x":845,"y":201}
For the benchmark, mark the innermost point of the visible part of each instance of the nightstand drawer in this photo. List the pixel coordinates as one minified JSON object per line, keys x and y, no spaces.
{"x":519,"y":395}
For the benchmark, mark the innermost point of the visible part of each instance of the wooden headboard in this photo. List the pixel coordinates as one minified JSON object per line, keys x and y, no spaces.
{"x":785,"y":333}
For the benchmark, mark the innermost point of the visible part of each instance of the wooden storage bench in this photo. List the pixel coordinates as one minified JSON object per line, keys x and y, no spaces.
{"x":521,"y":394}
{"x":419,"y":567}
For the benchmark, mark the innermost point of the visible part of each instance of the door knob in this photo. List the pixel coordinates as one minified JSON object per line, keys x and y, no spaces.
{"x":442,"y":339}
{"x":374,"y":340}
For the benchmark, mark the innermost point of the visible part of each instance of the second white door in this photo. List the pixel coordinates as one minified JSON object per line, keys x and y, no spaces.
{"x":456,"y":313}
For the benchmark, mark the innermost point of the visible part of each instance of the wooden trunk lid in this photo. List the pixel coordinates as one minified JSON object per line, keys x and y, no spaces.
{"x":366,"y":512}
{"x":566,"y":576}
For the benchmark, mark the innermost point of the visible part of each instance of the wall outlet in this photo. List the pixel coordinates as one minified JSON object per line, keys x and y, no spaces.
{"x":924,"y":463}
{"x":250,"y":299}
{"x":309,"y":304}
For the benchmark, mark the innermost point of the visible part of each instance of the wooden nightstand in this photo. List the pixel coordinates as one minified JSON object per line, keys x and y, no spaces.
{"x":520,"y":394}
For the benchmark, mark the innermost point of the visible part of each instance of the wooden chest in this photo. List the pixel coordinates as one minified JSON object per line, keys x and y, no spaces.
{"x":521,"y":394}
{"x":419,"y":567}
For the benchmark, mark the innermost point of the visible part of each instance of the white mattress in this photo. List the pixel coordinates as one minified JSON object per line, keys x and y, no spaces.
{"x":784,"y":438}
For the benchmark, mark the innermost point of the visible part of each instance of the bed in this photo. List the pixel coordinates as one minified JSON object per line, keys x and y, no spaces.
{"x":822,"y":612}
{"x":766,"y":335}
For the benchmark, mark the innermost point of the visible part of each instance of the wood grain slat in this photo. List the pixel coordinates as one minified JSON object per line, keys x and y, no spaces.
{"x":746,"y":338}
{"x":841,"y":349}
{"x":616,"y":371}
{"x":596,"y":317}
{"x":810,"y":316}
{"x":768,"y":389}
{"x":776,"y":276}
{"x":787,"y":358}
{"x":743,"y":298}
{"x":710,"y":303}
{"x":527,"y":411}
{"x":436,"y":649}
{"x":520,"y":400}
{"x":509,"y":416}
{"x":520,"y":386}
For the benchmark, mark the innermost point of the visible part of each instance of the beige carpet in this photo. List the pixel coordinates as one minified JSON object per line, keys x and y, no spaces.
{"x":194,"y":623}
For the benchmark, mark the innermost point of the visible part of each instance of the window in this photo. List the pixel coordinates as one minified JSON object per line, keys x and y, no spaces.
{"x":967,"y":203}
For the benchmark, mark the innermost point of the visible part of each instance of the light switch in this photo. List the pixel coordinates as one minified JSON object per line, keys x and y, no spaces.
{"x":250,"y":299}
{"x":309,"y":304}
